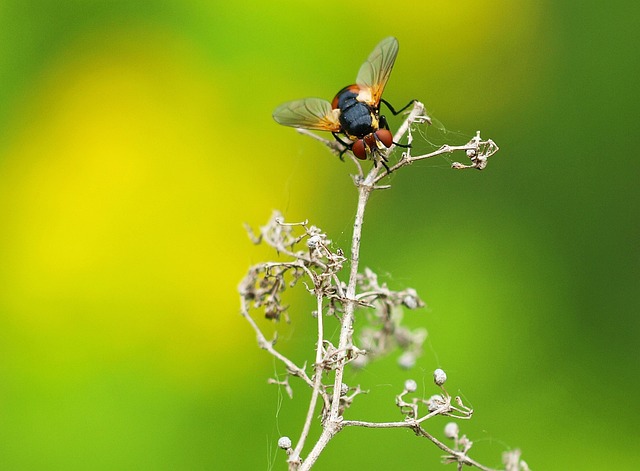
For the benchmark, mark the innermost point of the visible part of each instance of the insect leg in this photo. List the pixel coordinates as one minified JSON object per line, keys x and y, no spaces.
{"x":383,"y":122}
{"x":391,"y":107}
{"x":347,"y":145}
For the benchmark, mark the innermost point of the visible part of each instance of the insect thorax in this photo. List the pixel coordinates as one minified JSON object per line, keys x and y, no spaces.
{"x":358,"y":120}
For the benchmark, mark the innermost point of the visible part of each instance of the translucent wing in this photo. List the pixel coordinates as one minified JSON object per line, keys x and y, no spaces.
{"x":375,"y":72}
{"x":310,"y":113}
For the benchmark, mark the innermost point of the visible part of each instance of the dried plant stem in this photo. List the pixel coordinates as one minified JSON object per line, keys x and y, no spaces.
{"x":268,"y":346}
{"x":317,"y":380}
{"x":333,"y":422}
{"x":346,"y":329}
{"x":415,"y":426}
{"x":454,"y":455}
{"x":320,"y":265}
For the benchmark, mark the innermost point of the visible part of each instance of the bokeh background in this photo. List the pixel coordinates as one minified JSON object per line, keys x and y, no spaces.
{"x":136,"y":138}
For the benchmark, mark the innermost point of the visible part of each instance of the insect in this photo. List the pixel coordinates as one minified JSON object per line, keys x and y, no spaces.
{"x":354,"y":113}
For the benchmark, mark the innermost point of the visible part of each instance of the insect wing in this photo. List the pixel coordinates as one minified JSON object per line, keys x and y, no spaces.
{"x":310,"y":113}
{"x":375,"y":72}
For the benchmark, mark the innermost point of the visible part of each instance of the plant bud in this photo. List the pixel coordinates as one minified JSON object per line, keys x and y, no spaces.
{"x":410,"y":385}
{"x":451,"y":430}
{"x":284,"y":443}
{"x":439,"y":377}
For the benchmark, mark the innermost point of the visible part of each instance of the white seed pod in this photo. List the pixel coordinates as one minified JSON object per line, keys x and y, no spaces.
{"x":451,"y":430}
{"x":407,"y":360}
{"x":410,"y":385}
{"x":344,"y":389}
{"x":284,"y":443}
{"x":359,"y":362}
{"x":439,"y":377}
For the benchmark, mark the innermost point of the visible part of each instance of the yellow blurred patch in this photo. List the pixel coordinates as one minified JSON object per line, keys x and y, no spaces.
{"x":122,"y":235}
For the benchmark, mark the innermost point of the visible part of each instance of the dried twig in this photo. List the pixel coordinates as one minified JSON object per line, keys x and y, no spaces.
{"x":319,"y":264}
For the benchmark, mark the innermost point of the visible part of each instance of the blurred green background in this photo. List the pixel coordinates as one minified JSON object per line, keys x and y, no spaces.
{"x":136,"y":138}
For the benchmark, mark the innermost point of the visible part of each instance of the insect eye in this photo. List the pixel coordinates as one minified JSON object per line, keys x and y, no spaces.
{"x":385,"y":137}
{"x":359,"y":150}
